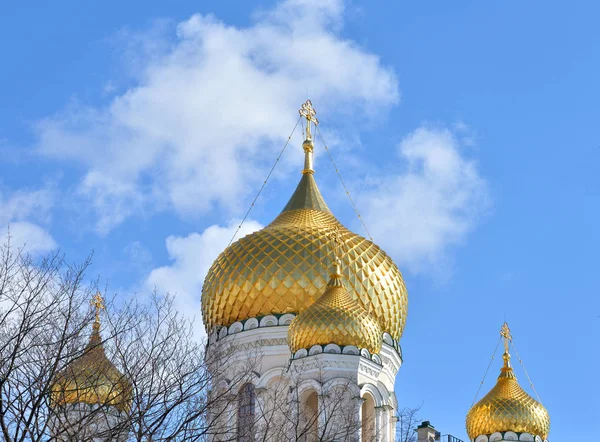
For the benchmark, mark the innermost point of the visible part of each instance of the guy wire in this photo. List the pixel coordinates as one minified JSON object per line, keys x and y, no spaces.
{"x":486,"y":371}
{"x":264,"y":182}
{"x":525,"y":370}
{"x":344,"y":184}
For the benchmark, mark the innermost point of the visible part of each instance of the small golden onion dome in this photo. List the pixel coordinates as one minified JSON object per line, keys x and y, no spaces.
{"x":92,"y":379}
{"x":507,"y":407}
{"x":278,"y":269}
{"x":335,"y":318}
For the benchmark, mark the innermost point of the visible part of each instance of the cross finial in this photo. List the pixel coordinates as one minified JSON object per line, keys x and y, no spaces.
{"x":505,"y":333}
{"x":98,"y":303}
{"x":335,"y":236}
{"x":308,"y":112}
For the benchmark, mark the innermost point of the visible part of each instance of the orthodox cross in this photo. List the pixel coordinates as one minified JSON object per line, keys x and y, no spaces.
{"x":505,"y":333}
{"x":98,"y":303}
{"x":308,"y":112}
{"x":335,"y":236}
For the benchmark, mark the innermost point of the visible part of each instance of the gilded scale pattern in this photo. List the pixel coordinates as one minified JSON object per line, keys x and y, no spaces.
{"x":335,"y":318}
{"x":507,"y":407}
{"x":281,"y":269}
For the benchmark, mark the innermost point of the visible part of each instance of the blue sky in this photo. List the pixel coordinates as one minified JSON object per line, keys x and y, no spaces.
{"x":467,"y":131}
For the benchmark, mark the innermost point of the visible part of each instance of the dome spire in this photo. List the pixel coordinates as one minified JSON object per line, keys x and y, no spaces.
{"x":307,"y":194}
{"x":97,"y":302}
{"x":506,"y":372}
{"x":308,"y":112}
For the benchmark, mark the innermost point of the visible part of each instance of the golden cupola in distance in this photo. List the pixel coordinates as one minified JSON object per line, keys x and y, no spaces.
{"x":507,"y":407}
{"x":335,"y":318}
{"x":279,"y":269}
{"x":92,"y":378}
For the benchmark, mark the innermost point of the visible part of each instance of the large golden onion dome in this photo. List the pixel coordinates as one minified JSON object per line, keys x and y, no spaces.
{"x":279,"y":269}
{"x":335,"y":318}
{"x":507,"y":407}
{"x":92,"y":378}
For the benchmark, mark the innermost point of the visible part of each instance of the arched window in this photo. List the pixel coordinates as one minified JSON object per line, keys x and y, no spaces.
{"x":245,"y":418}
{"x":368,"y":418}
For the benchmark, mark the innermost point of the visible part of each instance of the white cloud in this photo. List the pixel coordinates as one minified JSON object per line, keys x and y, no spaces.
{"x":30,"y":238}
{"x":16,"y":212}
{"x":22,"y":203}
{"x":419,"y":213}
{"x":187,"y":135}
{"x":192,"y":256}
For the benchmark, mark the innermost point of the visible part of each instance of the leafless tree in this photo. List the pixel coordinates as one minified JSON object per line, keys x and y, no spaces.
{"x":169,"y":371}
{"x":408,"y":421}
{"x":42,"y":320}
{"x":45,"y":325}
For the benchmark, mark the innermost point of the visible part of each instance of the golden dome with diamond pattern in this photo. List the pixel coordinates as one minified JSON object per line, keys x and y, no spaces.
{"x":92,"y":378}
{"x":335,"y":318}
{"x":507,"y":407}
{"x":279,"y":269}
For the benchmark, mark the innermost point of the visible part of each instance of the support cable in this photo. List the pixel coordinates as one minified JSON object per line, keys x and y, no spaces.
{"x":525,"y":370}
{"x":486,"y":371}
{"x":344,"y":185}
{"x":264,"y":183}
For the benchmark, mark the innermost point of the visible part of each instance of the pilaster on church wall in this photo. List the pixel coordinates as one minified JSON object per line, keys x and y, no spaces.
{"x":392,"y":421}
{"x":382,"y":423}
{"x":391,"y":361}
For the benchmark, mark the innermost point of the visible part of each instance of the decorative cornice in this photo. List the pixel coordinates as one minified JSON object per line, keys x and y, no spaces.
{"x":508,"y":436}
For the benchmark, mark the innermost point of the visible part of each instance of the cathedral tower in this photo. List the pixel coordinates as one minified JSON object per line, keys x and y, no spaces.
{"x":329,"y":336}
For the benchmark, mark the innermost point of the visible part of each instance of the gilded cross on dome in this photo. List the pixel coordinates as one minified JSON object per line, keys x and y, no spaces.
{"x":505,"y":333}
{"x":98,"y":302}
{"x":308,"y":112}
{"x":335,"y":236}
